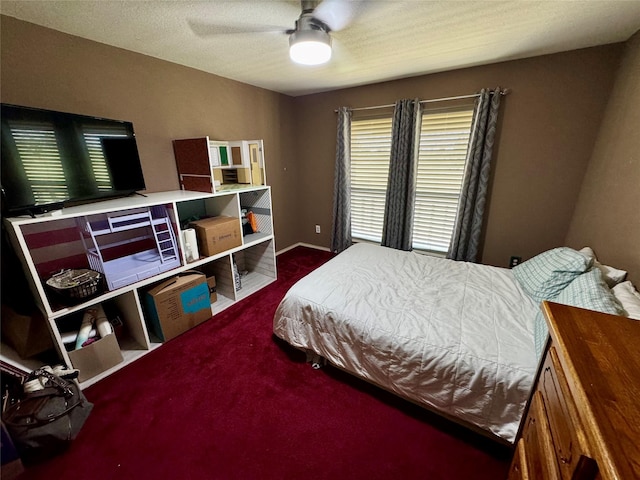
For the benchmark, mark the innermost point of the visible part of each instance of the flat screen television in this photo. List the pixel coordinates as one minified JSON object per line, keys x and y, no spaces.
{"x":55,"y":159}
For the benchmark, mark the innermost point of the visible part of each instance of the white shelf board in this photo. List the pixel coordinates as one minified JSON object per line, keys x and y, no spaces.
{"x":10,"y":356}
{"x":221,"y":304}
{"x":251,"y":283}
{"x":131,"y":351}
{"x":61,"y":311}
{"x":108,"y":206}
{"x":255,"y":238}
{"x":125,"y":203}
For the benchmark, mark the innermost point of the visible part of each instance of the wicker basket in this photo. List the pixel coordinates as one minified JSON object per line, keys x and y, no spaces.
{"x":81,"y":283}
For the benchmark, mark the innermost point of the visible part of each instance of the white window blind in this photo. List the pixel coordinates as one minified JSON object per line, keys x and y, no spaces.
{"x":444,"y":140}
{"x":92,"y":136}
{"x":370,"y":151}
{"x":38,"y":148}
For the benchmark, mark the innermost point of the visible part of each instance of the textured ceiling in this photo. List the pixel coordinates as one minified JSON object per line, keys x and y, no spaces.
{"x":387,"y":39}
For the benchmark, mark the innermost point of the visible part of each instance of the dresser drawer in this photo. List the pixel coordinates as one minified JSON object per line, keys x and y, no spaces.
{"x":538,"y":444}
{"x":567,"y":434}
{"x":519,"y":469}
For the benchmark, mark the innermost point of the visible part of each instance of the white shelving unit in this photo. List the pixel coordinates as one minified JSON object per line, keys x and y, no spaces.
{"x":255,"y":258}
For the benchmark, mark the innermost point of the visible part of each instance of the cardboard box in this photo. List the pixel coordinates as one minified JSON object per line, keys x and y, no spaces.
{"x":213,"y":296}
{"x":97,"y":357}
{"x":178,"y":304}
{"x":217,"y":234}
{"x":28,"y":334}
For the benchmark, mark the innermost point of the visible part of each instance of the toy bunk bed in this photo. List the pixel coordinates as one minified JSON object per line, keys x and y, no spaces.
{"x":130,"y":247}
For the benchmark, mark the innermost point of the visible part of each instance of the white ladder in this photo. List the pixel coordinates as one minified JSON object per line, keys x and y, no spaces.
{"x":163,"y":234}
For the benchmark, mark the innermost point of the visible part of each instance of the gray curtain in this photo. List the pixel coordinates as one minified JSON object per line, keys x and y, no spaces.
{"x":341,"y":229}
{"x":468,"y":227}
{"x":401,"y":187}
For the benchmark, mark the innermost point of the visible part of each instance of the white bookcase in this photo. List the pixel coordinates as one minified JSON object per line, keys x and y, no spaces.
{"x":255,"y":258}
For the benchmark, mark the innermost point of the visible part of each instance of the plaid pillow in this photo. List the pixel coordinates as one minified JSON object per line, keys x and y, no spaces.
{"x":590,"y":291}
{"x":540,"y":332}
{"x":544,"y":276}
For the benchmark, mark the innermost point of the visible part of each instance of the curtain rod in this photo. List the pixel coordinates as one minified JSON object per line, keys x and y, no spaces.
{"x":444,"y":99}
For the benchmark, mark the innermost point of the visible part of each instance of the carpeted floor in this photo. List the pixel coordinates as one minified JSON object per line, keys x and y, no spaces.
{"x":226,"y":400}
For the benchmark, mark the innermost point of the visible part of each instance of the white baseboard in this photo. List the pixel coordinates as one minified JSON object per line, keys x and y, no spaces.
{"x":301,"y":244}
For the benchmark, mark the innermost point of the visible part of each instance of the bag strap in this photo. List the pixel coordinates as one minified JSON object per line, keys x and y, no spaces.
{"x":59,"y":383}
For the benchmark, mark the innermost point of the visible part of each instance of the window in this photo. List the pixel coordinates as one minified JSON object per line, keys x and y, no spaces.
{"x":444,"y":140}
{"x":370,"y":152}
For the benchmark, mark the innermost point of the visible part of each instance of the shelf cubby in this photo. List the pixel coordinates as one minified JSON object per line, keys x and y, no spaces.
{"x":257,"y":266}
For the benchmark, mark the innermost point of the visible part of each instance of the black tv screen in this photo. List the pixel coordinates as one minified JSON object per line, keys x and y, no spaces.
{"x":53,"y":159}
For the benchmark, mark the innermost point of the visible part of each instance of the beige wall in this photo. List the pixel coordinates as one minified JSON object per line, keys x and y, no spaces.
{"x":607,"y":215}
{"x":48,"y":69}
{"x":549,"y":124}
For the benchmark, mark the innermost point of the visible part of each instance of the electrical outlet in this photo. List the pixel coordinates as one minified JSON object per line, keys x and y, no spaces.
{"x":513,"y":261}
{"x":317,"y":228}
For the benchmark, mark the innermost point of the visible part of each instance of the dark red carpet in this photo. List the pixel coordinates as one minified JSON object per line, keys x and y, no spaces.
{"x":228,"y":401}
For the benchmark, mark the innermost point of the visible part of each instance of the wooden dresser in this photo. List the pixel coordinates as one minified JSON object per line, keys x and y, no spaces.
{"x":583,"y":418}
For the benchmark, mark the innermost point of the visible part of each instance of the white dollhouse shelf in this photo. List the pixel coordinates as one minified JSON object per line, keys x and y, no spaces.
{"x":117,"y":222}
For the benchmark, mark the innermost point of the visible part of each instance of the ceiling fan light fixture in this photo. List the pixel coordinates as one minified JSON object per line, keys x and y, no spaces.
{"x":310,"y":47}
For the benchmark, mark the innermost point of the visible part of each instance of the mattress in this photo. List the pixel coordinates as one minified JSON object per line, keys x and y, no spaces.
{"x":455,"y":337}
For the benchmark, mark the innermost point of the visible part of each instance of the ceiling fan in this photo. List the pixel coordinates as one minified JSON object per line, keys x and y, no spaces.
{"x":310,"y":40}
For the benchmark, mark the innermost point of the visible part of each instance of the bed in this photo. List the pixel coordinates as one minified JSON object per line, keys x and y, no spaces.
{"x":455,"y":337}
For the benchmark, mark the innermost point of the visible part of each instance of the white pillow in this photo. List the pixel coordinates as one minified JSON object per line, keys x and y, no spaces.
{"x":629,"y":297}
{"x":611,"y":275}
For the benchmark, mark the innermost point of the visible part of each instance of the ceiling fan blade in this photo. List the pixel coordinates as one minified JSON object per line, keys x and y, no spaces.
{"x":208,"y":29}
{"x":338,"y":14}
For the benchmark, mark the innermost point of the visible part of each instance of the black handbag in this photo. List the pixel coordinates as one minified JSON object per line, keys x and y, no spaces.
{"x":43,"y":423}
